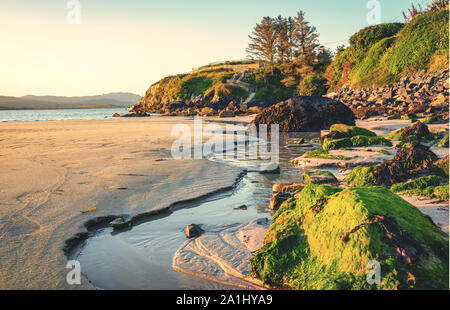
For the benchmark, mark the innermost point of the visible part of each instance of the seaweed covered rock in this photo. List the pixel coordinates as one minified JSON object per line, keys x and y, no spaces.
{"x":277,"y":200}
{"x":417,"y":131}
{"x":319,"y":177}
{"x":410,"y":158}
{"x":431,"y":186}
{"x":346,"y":131}
{"x":361,"y":176}
{"x":441,"y":166}
{"x":444,"y":141}
{"x":356,"y":141}
{"x":287,"y":187}
{"x":306,"y":114}
{"x":326,"y":237}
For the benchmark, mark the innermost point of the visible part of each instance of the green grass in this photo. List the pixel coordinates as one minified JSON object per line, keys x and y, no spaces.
{"x":417,"y":42}
{"x":382,"y":54}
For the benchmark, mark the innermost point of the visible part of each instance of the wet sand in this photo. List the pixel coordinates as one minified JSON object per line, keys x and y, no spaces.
{"x":51,"y":171}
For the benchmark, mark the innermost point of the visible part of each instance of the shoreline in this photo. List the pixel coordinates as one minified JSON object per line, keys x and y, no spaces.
{"x":53,"y":170}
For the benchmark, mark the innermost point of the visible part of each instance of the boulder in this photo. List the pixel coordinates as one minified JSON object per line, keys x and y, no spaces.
{"x":271,"y":168}
{"x":287,"y":187}
{"x":336,"y":232}
{"x":277,"y":200}
{"x":193,"y":231}
{"x":319,"y":177}
{"x":226,"y":113}
{"x":410,"y":158}
{"x":301,"y":114}
{"x":418,"y":129}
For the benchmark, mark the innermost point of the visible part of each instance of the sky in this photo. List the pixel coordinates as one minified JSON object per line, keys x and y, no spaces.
{"x":127,"y":45}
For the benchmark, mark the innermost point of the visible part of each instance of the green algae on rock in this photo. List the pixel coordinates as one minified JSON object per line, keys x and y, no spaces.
{"x":319,"y":177}
{"x":356,"y":141}
{"x":415,"y":132}
{"x":361,"y":176}
{"x":351,"y":131}
{"x":444,"y":141}
{"x":324,"y":155}
{"x":441,"y":167}
{"x":325,"y":238}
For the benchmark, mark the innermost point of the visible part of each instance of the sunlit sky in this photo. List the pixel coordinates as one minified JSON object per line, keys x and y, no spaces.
{"x":126,"y":45}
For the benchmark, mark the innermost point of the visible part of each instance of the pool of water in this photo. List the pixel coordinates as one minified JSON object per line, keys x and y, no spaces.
{"x":141,"y":258}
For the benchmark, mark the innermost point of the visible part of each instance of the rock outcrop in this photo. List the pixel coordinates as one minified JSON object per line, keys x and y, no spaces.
{"x":302,"y":114}
{"x":422,"y":94}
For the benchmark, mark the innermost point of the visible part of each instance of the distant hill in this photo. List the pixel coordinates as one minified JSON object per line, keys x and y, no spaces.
{"x":110,"y":100}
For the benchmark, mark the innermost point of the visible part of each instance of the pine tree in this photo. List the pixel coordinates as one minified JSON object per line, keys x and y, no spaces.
{"x":305,"y":43}
{"x":263,"y":42}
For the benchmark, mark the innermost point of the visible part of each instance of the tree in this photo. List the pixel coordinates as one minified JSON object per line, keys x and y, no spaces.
{"x":305,"y":42}
{"x":263,"y":42}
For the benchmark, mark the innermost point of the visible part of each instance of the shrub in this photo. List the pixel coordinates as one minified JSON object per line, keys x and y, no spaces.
{"x":313,"y":85}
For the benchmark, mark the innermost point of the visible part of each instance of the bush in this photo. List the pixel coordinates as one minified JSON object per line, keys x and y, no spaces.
{"x":313,"y":85}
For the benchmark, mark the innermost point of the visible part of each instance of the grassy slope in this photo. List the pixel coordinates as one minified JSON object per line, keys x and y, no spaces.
{"x":382,"y":54}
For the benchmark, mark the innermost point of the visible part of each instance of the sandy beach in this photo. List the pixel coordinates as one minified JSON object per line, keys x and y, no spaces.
{"x":51,"y":171}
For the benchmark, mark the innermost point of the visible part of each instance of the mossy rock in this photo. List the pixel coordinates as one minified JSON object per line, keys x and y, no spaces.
{"x":417,"y":184}
{"x":297,"y":142}
{"x":441,"y":192}
{"x":351,"y":131}
{"x":326,"y":237}
{"x":417,"y":132}
{"x":441,"y":167}
{"x":324,"y":155}
{"x":356,"y":141}
{"x":444,"y":141}
{"x":360,"y":176}
{"x":319,"y":177}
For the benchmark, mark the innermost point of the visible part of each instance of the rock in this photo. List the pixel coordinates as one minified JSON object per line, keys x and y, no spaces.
{"x":346,"y":131}
{"x":349,"y":227}
{"x":356,"y":141}
{"x":319,"y":177}
{"x":135,"y":115}
{"x":254,"y":110}
{"x":410,"y":158}
{"x":193,"y":231}
{"x":297,"y":142}
{"x":242,"y":207}
{"x":441,"y":167}
{"x":418,"y":130}
{"x":120,"y":223}
{"x":226,"y":113}
{"x":287,"y":187}
{"x":116,"y":115}
{"x":277,"y":200}
{"x":306,"y":114}
{"x":271,"y":168}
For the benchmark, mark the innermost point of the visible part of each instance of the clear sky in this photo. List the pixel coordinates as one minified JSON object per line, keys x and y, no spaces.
{"x":126,"y":45}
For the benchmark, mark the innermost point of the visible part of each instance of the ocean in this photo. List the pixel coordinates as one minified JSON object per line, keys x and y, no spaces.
{"x":54,"y":115}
